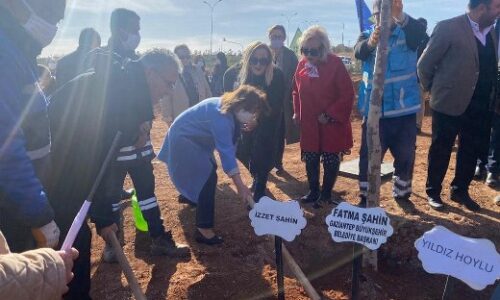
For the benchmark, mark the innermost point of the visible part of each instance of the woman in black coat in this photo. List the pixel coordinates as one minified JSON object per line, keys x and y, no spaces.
{"x":257,"y":150}
{"x":218,"y":75}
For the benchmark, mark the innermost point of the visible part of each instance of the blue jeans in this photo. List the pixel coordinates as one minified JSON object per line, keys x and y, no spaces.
{"x":398,"y":135}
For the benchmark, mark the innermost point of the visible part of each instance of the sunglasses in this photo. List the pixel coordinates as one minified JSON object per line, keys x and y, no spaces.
{"x":262,"y":61}
{"x":310,"y":52}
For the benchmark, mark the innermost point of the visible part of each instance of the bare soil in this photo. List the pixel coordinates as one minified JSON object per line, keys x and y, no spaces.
{"x":243,"y":267}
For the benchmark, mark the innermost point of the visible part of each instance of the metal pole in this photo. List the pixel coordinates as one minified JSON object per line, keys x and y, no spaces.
{"x":448,"y":288}
{"x":236,"y":43}
{"x":211,"y":29}
{"x":294,"y":267}
{"x":212,"y":8}
{"x":279,"y":267}
{"x":357,"y":255}
{"x":288,"y":19}
{"x":343,"y":28}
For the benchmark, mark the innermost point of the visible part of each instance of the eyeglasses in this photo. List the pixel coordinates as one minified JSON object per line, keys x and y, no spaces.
{"x":310,"y":52}
{"x":262,"y":61}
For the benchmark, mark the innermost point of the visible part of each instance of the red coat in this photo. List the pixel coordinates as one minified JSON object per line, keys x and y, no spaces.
{"x":331,"y":93}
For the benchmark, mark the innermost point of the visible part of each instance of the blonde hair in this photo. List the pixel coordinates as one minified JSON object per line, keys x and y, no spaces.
{"x":245,"y":63}
{"x":245,"y":96}
{"x":317,"y":32}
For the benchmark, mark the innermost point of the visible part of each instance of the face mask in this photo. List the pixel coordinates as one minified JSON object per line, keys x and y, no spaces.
{"x":246,"y":117}
{"x":42,"y":31}
{"x":277,"y":43}
{"x":132,"y":42}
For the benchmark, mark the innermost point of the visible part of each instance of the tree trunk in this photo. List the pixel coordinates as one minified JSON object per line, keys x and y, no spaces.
{"x":373,"y":134}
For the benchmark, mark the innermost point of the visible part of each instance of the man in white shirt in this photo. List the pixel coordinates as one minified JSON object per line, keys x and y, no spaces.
{"x":459,"y":68}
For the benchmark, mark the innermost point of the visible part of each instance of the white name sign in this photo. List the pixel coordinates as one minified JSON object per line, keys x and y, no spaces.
{"x":367,"y":226}
{"x":283,"y":219}
{"x":474,"y":261}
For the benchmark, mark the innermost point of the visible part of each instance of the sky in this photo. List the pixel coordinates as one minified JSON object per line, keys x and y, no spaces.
{"x":166,"y":23}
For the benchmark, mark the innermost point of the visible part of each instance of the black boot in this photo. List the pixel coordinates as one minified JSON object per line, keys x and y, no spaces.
{"x":312,"y":169}
{"x":331,"y":170}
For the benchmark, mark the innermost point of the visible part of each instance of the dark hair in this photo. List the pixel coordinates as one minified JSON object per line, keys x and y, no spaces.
{"x":121,"y":17}
{"x":87,"y":37}
{"x":181,"y":47}
{"x":422,"y":21}
{"x":246,"y":97}
{"x":475,"y":3}
{"x":220,"y":68}
{"x":277,"y":27}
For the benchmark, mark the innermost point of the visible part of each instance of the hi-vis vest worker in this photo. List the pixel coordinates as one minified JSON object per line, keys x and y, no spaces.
{"x":401,"y":91}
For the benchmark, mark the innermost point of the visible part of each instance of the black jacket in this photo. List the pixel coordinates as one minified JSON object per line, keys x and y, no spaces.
{"x":85,"y":115}
{"x":257,"y":150}
{"x":70,"y":66}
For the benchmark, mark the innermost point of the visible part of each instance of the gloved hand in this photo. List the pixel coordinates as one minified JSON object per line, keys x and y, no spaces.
{"x":46,"y":236}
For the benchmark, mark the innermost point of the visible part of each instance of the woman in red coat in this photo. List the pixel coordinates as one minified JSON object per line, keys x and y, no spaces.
{"x":323,"y":97}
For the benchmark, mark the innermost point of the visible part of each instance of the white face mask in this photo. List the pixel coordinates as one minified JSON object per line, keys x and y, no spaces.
{"x":42,"y":31}
{"x":132,"y":42}
{"x":246,"y":117}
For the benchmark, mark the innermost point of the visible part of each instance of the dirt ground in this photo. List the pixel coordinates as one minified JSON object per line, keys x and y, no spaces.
{"x":243,"y":267}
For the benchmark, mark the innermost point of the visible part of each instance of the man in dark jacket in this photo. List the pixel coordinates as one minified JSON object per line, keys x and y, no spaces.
{"x":71,"y":65}
{"x":124,"y":40}
{"x":459,"y":68}
{"x":125,"y":26}
{"x":114,"y":98}
{"x":24,"y":129}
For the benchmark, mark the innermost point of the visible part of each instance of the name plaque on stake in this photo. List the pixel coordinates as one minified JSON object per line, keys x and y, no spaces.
{"x":283,"y":219}
{"x":474,"y":261}
{"x":369,"y":227}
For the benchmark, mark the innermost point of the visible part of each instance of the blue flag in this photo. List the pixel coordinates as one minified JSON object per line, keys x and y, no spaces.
{"x":364,"y":15}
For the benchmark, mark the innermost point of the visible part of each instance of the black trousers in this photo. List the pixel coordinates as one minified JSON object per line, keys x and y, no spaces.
{"x":205,"y":210}
{"x":281,"y":144}
{"x":473,"y":131}
{"x":106,"y":209}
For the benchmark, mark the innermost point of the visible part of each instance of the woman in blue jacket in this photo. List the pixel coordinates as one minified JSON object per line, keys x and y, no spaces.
{"x":188,"y":151}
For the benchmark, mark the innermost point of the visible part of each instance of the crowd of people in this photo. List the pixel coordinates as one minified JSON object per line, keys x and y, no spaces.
{"x":56,"y":128}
